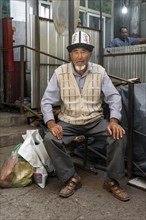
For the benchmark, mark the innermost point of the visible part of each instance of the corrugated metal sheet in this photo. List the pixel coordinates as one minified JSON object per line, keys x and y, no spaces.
{"x":126,"y":66}
{"x":54,"y":44}
{"x":123,"y":66}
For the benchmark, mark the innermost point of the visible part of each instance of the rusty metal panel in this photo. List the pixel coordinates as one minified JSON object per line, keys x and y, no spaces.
{"x":1,"y":60}
{"x":126,"y":66}
{"x":8,"y":42}
{"x":9,"y":80}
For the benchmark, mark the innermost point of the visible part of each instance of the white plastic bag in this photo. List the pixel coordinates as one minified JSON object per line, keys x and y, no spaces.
{"x":37,"y":140}
{"x":33,"y":151}
{"x":61,"y":16}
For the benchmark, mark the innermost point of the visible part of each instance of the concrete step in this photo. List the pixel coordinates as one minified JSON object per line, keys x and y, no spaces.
{"x":12,"y":126}
{"x":13,"y":135}
{"x":12,"y":119}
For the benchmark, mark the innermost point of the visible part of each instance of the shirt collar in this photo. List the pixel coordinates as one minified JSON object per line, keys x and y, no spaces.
{"x":88,"y":70}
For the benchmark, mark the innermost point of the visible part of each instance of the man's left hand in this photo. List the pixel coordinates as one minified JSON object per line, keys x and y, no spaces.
{"x":115,"y":129}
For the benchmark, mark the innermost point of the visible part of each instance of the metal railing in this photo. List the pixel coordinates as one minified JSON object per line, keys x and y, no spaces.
{"x":22,"y":83}
{"x":126,"y":62}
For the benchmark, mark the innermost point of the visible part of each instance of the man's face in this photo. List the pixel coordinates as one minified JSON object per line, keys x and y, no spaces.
{"x":80,"y":58}
{"x":123,"y":33}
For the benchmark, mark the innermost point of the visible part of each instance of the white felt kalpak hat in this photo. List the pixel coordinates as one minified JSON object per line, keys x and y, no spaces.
{"x":80,"y":39}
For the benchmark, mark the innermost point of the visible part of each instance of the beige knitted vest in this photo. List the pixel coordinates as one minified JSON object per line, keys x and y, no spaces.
{"x":85,"y":107}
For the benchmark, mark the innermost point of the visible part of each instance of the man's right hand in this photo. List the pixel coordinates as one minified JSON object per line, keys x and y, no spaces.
{"x":55,"y":129}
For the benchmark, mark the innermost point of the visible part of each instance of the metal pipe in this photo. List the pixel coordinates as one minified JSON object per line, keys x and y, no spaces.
{"x":71,"y":19}
{"x":105,"y":55}
{"x":33,"y":112}
{"x":130,"y":129}
{"x":123,"y":54}
{"x":8,"y":58}
{"x":37,"y":62}
{"x":85,"y":151}
{"x":21,"y":77}
{"x":97,"y":152}
{"x":118,"y":78}
{"x":101,"y":37}
{"x":1,"y":58}
{"x":38,"y":51}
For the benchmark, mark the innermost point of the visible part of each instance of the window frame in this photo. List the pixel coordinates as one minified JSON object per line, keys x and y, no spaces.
{"x":47,"y":3}
{"x":89,"y":14}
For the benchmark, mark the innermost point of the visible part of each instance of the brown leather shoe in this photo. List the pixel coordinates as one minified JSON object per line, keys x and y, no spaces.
{"x":70,"y":187}
{"x":114,"y":187}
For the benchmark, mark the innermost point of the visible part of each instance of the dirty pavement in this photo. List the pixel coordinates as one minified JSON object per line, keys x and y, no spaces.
{"x":91,"y":202}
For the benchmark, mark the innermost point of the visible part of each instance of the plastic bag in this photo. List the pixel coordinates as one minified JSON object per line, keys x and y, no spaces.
{"x":33,"y":150}
{"x":61,"y":16}
{"x":15,"y":171}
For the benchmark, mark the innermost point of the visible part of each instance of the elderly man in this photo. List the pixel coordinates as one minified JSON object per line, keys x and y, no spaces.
{"x":124,"y":40}
{"x":80,"y":87}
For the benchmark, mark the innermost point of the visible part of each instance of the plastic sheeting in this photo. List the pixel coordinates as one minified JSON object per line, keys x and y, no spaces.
{"x":139,"y":141}
{"x":61,"y":16}
{"x":139,"y":137}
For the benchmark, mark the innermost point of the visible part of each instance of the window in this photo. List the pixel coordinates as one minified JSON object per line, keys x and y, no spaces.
{"x":45,"y":9}
{"x":105,"y":5}
{"x":95,"y":5}
{"x":83,"y":17}
{"x":93,"y":21}
{"x":90,"y":16}
{"x":83,"y":3}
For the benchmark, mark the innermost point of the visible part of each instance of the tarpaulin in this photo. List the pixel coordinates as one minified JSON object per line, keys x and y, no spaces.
{"x":139,"y":135}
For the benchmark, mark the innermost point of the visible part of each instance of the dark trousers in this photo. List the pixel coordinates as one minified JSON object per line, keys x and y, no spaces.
{"x":62,"y":161}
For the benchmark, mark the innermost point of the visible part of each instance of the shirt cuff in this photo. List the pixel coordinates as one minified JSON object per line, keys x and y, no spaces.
{"x":116,"y":115}
{"x":48,"y":117}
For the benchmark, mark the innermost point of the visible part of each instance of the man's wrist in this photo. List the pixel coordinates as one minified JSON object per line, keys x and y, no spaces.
{"x":50,"y":123}
{"x":114,"y":120}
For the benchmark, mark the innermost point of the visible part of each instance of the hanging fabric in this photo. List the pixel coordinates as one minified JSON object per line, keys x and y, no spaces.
{"x":60,"y":10}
